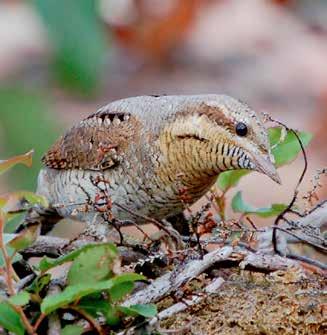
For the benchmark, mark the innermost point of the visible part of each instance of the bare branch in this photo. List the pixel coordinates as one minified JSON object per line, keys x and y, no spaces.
{"x":305,"y":230}
{"x":56,"y":246}
{"x":195,"y":299}
{"x":170,"y":281}
{"x":267,"y":262}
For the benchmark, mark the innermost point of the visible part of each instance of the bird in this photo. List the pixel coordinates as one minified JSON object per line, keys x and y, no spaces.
{"x":145,"y":153}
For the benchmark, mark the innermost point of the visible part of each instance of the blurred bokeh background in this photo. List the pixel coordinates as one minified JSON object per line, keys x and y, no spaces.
{"x":61,"y":60}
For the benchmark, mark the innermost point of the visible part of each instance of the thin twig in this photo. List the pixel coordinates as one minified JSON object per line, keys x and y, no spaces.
{"x":39,"y":321}
{"x":296,"y":191}
{"x":195,"y":299}
{"x":89,"y":319}
{"x":287,"y":231}
{"x":147,"y":218}
{"x":308,"y":260}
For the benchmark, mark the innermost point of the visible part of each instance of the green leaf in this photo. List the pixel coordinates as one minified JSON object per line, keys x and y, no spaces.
{"x":39,"y":283}
{"x":47,"y":263}
{"x":11,"y":251}
{"x":30,"y":197}
{"x":113,"y":316}
{"x":10,"y":319}
{"x":25,"y":159}
{"x":72,"y":330}
{"x":93,"y":264}
{"x":78,"y":41}
{"x":20,"y":299}
{"x":75,"y":292}
{"x":8,"y":237}
{"x":148,"y":310}
{"x":94,"y":305}
{"x":15,"y":204}
{"x":15,"y":257}
{"x":229,"y":179}
{"x":239,"y":206}
{"x":120,"y":290}
{"x":26,"y":237}
{"x":286,"y":151}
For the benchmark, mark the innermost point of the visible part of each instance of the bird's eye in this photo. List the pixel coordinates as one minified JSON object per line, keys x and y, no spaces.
{"x":241,"y":129}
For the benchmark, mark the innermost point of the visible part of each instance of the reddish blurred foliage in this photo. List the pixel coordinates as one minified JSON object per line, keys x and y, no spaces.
{"x":282,"y":2}
{"x":153,"y":35}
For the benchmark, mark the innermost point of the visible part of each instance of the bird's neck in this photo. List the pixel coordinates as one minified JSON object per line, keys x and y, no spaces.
{"x":186,"y":166}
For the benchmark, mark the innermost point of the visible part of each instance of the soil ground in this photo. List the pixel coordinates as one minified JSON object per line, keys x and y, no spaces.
{"x":258,"y":304}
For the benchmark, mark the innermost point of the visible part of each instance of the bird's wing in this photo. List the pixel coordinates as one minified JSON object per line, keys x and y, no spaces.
{"x":98,"y":142}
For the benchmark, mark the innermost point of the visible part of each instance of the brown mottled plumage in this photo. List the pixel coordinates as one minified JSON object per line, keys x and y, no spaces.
{"x":148,"y":148}
{"x":93,"y":145}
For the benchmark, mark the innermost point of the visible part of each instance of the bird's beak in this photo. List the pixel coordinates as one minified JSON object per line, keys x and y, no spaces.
{"x":264,"y":164}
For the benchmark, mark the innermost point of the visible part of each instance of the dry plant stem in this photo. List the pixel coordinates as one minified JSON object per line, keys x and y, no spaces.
{"x":212,"y":288}
{"x":56,"y":246}
{"x":305,"y":230}
{"x":54,"y":327}
{"x":9,"y":275}
{"x":317,"y":217}
{"x":308,"y":260}
{"x":179,"y":331}
{"x":3,"y":284}
{"x":265,"y":262}
{"x":195,"y":299}
{"x":300,"y":238}
{"x":39,"y":321}
{"x":150,"y":220}
{"x":296,"y":191}
{"x":96,"y":326}
{"x":170,"y":281}
{"x":24,"y":319}
{"x":21,"y":284}
{"x":315,"y":185}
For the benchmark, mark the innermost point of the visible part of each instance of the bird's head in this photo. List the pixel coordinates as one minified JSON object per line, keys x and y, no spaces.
{"x":217,"y":133}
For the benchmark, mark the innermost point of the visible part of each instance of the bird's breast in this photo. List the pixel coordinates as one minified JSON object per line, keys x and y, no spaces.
{"x":74,"y":193}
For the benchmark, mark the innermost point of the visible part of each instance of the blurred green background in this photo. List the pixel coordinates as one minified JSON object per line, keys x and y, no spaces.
{"x":61,"y":60}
